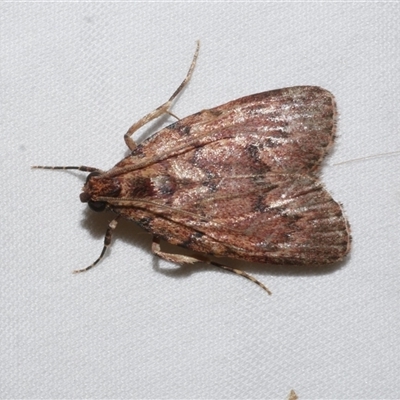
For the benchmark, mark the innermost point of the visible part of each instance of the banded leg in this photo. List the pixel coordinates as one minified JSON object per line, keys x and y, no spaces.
{"x":163,"y":109}
{"x":176,"y":258}
{"x":107,"y":240}
{"x":241,"y":273}
{"x":182,"y":259}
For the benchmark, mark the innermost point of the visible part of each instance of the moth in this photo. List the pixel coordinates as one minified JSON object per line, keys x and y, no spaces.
{"x":239,"y":180}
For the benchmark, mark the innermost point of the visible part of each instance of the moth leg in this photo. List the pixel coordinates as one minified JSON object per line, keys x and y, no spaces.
{"x":162,"y":109}
{"x":176,"y":258}
{"x":107,"y":240}
{"x":241,"y":273}
{"x":181,"y":259}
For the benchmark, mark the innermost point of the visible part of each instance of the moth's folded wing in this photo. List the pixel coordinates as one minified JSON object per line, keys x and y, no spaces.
{"x":285,"y":130}
{"x":280,"y":219}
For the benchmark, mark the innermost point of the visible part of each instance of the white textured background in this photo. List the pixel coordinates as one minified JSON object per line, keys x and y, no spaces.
{"x":73,"y":79}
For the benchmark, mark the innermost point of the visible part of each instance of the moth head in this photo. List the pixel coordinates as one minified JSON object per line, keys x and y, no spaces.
{"x":96,"y":188}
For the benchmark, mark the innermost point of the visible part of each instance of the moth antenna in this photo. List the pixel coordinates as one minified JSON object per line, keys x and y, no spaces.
{"x":80,"y":168}
{"x":164,"y":108}
{"x":107,"y":241}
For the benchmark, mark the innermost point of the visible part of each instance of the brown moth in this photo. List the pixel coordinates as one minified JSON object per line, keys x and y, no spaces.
{"x":239,"y":180}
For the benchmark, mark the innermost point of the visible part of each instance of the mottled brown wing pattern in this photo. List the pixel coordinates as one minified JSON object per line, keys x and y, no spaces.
{"x":239,"y":180}
{"x":280,"y":219}
{"x":281,"y":130}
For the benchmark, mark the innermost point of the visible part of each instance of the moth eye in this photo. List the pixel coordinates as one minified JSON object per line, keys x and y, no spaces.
{"x":97,"y":206}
